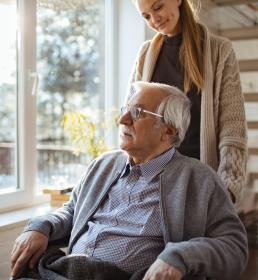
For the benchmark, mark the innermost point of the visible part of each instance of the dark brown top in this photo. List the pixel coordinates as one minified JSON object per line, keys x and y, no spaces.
{"x":168,"y":71}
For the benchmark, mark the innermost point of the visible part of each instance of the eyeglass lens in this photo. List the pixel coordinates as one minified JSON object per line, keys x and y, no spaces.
{"x":135,"y":112}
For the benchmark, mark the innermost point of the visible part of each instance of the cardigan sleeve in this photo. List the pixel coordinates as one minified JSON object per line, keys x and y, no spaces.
{"x":57,"y":224}
{"x":222,"y":252}
{"x":232,"y":170}
{"x":232,"y":124}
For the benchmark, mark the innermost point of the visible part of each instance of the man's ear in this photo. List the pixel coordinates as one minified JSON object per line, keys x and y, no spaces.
{"x":170,"y":133}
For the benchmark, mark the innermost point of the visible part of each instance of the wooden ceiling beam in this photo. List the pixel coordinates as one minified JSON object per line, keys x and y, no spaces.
{"x":251,"y":97}
{"x":243,"y":33}
{"x":252,"y":176}
{"x":233,"y":2}
{"x":248,"y":65}
{"x":252,"y":124}
{"x":253,"y":151}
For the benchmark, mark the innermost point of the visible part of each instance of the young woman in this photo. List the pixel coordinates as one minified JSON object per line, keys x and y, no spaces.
{"x":185,"y":54}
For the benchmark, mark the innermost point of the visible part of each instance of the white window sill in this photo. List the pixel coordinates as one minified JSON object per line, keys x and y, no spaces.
{"x":16,"y":218}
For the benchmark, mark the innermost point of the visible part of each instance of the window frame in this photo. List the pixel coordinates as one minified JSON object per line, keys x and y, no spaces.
{"x":25,"y":125}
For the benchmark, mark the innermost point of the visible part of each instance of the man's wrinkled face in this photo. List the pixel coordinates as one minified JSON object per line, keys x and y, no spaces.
{"x":143,"y":135}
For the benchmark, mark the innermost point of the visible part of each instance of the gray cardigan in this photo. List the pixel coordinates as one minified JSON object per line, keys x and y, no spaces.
{"x":203,"y":234}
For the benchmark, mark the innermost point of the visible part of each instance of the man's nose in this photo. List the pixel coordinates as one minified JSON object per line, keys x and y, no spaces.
{"x":126,"y":118}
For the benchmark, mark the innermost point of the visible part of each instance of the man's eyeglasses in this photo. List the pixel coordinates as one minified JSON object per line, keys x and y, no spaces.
{"x":136,"y":112}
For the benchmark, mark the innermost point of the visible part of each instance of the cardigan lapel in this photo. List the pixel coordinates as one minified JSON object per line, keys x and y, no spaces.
{"x":90,"y":203}
{"x":151,"y":57}
{"x":208,"y":136}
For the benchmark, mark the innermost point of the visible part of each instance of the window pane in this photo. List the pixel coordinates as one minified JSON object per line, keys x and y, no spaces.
{"x":8,"y":87}
{"x":70,"y":65}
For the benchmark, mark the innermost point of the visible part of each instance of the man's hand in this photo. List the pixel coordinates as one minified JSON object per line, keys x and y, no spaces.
{"x":27,"y":250}
{"x":160,"y":270}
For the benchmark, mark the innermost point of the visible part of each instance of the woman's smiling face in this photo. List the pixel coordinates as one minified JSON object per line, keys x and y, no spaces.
{"x":161,"y":15}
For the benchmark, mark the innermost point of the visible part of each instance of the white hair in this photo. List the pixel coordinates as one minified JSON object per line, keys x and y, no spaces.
{"x":175,"y":107}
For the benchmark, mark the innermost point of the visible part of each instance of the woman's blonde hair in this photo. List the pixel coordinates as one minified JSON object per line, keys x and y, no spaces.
{"x":191,"y":52}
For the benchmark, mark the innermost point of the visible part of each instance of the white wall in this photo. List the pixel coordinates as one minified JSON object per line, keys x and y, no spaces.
{"x":131,"y":35}
{"x":125,"y":33}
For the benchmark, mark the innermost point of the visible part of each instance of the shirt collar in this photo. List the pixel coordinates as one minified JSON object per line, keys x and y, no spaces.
{"x":151,"y":168}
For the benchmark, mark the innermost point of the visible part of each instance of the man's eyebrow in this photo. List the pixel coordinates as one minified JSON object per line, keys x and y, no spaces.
{"x":139,"y":105}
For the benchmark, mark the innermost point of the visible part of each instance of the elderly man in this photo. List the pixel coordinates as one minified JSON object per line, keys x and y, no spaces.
{"x":146,"y":206}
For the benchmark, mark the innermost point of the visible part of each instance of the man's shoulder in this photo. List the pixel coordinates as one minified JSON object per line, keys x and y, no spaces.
{"x":192,"y":162}
{"x":184,"y":164}
{"x":114,"y":157}
{"x":193,"y":175}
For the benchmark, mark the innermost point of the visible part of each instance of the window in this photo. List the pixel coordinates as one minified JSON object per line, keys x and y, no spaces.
{"x":70,"y":67}
{"x":8,"y":96}
{"x":59,"y":67}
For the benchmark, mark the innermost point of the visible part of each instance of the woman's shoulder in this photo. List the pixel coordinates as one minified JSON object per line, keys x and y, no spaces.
{"x":218,"y":47}
{"x":145,"y":45}
{"x":143,"y":49}
{"x":220,"y":41}
{"x":216,"y":41}
{"x":155,"y":41}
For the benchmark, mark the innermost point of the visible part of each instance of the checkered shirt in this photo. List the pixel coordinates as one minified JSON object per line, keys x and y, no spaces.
{"x":126,"y":229}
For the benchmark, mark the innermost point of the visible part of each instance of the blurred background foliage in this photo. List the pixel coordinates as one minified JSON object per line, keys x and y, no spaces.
{"x":88,"y":133}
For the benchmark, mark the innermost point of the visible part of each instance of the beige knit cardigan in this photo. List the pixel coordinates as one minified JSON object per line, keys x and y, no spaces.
{"x":223,"y":137}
